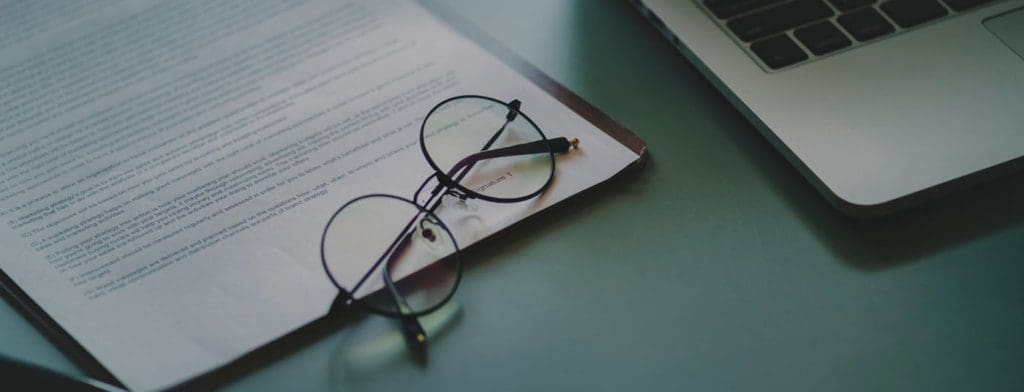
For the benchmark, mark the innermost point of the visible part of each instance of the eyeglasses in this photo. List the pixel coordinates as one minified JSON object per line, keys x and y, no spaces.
{"x":479,"y":148}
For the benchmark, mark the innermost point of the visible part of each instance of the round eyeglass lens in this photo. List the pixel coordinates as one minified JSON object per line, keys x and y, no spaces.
{"x":391,"y":256}
{"x":458,"y":130}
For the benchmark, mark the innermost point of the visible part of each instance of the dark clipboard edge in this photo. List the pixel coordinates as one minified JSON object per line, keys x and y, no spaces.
{"x":81,"y":357}
{"x":53,"y":332}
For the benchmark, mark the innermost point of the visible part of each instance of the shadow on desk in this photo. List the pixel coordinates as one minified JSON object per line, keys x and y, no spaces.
{"x":267,"y":355}
{"x":917,"y":232}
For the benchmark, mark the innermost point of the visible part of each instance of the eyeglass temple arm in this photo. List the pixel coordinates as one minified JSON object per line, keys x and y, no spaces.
{"x":412,"y":330}
{"x":558,"y":145}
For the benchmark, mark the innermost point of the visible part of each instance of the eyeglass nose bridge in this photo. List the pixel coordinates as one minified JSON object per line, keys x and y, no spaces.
{"x":447,"y":183}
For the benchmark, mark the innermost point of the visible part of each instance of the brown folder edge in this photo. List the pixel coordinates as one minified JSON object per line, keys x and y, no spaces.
{"x":92,"y":367}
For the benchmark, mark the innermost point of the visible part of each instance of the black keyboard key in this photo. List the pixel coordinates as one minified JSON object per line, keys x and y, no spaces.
{"x":865,"y":24}
{"x":821,"y":38}
{"x":777,"y":19}
{"x":909,"y":13}
{"x":778,"y":51}
{"x":961,"y":5}
{"x":725,"y":9}
{"x":846,"y":5}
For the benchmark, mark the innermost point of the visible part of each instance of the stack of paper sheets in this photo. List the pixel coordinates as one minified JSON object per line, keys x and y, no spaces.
{"x":167,"y":167}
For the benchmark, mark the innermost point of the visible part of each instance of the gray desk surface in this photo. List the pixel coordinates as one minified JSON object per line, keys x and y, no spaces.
{"x":714,"y":268}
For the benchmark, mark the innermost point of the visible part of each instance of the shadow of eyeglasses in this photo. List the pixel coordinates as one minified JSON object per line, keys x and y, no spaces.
{"x":374,"y":348}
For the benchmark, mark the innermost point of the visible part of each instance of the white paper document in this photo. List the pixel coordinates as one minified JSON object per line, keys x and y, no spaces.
{"x":167,"y":167}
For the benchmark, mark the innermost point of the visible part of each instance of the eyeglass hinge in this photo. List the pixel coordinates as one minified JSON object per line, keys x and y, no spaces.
{"x":513,"y":110}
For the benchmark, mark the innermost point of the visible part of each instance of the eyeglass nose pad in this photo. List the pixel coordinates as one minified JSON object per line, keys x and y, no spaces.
{"x":460,"y":204}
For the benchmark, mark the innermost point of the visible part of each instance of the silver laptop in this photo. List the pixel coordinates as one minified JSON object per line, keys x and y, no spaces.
{"x":880,"y":104}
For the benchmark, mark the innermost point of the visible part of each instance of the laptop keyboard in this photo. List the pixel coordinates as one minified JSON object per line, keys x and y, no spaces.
{"x":783,"y":33}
